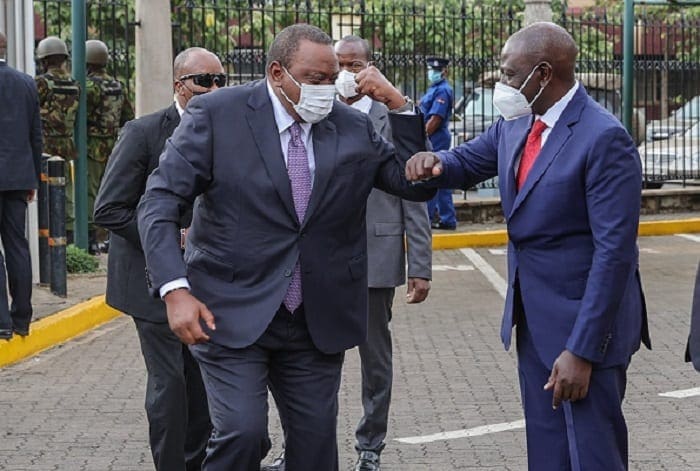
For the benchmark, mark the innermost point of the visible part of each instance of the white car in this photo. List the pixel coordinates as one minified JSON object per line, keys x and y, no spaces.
{"x":676,"y":158}
{"x":679,"y":121}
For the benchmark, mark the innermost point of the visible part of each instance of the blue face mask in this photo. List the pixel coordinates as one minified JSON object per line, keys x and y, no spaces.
{"x":434,"y":75}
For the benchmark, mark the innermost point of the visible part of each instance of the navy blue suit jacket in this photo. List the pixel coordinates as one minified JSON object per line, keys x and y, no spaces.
{"x":20,"y":131}
{"x":245,"y":237}
{"x":572,"y":231}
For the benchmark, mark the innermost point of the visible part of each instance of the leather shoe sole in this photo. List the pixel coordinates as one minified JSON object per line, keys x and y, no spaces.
{"x":5,"y":334}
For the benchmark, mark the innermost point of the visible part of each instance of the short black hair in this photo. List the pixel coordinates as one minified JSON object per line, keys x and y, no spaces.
{"x":351,"y":38}
{"x":286,"y":43}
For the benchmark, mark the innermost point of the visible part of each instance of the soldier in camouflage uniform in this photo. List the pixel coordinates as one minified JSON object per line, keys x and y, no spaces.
{"x":58,"y":98}
{"x":108,"y":108}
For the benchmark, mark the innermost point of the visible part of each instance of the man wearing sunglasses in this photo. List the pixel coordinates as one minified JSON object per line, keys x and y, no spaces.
{"x":176,"y":403}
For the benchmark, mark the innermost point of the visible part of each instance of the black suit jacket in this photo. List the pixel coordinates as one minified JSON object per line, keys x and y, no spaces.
{"x":133,"y":158}
{"x":245,"y":237}
{"x":20,"y":131}
{"x":692,"y":350}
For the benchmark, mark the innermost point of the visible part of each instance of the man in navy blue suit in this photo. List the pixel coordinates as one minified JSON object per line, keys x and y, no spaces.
{"x":570,"y":182}
{"x":20,"y":160}
{"x":273,"y":286}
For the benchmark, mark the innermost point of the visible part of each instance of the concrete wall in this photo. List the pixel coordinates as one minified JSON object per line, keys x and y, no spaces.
{"x":681,"y":200}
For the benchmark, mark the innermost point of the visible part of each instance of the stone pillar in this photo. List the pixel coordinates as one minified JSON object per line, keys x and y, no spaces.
{"x":537,"y":10}
{"x":154,"y":56}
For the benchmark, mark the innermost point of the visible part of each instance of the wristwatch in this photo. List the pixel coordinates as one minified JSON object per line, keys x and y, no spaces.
{"x":408,"y":106}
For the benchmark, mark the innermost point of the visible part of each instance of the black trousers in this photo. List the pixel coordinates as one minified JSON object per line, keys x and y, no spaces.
{"x":304,"y":382}
{"x":16,"y":259}
{"x":176,"y":403}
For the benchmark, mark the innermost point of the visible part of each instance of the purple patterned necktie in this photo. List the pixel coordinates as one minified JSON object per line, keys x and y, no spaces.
{"x":300,"y":178}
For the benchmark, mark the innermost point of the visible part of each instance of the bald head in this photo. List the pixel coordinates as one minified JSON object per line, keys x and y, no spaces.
{"x":3,"y":45}
{"x":547,"y":42}
{"x":539,"y":60}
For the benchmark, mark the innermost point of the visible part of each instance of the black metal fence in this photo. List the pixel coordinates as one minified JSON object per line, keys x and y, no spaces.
{"x":402,"y":33}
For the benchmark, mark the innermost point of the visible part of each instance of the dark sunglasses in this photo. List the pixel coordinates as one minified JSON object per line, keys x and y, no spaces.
{"x":206,"y":80}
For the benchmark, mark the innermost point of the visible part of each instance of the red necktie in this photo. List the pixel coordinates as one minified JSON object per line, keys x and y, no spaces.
{"x":532,"y":148}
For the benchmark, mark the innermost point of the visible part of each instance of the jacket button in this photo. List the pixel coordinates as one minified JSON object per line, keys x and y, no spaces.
{"x":288,"y":272}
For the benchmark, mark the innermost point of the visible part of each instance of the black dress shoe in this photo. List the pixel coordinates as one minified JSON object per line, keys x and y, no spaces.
{"x":368,"y":461}
{"x":20,"y":331}
{"x":277,"y":465}
{"x":440,"y":225}
{"x":5,"y":334}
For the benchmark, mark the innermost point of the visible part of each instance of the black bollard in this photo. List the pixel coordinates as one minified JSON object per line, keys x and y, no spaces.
{"x":57,"y":225}
{"x":43,"y":203}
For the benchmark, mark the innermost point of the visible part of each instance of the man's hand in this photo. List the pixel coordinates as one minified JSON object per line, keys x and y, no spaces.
{"x":417,"y":290}
{"x":570,"y":378}
{"x":184,"y":312}
{"x":423,"y":165}
{"x":374,"y":84}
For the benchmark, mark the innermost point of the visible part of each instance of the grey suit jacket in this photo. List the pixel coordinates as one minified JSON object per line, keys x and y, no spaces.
{"x":245,"y":237}
{"x":692,"y":351}
{"x":133,"y":158}
{"x":20,"y":131}
{"x":388,"y":219}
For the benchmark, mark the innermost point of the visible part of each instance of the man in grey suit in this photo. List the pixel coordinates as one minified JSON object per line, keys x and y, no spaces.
{"x":389,"y":218}
{"x":692,"y":350}
{"x":273,"y":286}
{"x":20,"y":160}
{"x":176,"y":404}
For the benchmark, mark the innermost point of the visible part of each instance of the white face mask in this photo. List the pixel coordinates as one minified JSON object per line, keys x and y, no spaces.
{"x":345,"y":84}
{"x":315,"y":101}
{"x":510,"y":102}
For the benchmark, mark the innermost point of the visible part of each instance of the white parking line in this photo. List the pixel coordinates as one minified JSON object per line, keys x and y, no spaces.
{"x":500,"y":285}
{"x":492,"y":275}
{"x":453,"y":268}
{"x":692,"y":237}
{"x":682,"y":393}
{"x":464,"y":433}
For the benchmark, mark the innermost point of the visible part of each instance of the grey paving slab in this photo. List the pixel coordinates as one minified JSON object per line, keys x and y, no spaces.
{"x":80,"y":406}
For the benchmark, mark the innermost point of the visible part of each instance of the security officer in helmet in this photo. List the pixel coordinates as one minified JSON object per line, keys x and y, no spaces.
{"x":58,"y":99}
{"x":108,"y":108}
{"x":436,"y":106}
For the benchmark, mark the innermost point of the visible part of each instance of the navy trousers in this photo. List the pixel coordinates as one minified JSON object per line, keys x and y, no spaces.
{"x":16,"y":260}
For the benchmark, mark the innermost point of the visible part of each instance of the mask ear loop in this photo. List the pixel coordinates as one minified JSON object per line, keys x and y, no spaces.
{"x":542,"y":87}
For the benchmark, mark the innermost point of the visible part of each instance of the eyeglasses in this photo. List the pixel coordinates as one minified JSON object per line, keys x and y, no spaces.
{"x":206,"y":80}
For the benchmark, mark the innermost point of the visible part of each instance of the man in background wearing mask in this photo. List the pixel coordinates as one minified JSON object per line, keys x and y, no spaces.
{"x":570,"y":182}
{"x":436,"y":106}
{"x":273,"y":286}
{"x":389,"y":219}
{"x":176,"y":404}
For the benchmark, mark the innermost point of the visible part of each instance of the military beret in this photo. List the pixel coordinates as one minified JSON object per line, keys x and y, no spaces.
{"x":437,"y":62}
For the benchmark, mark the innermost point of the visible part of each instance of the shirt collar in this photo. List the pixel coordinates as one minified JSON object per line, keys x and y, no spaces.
{"x":282,"y":118}
{"x":180,"y":109}
{"x":554,"y":112}
{"x":363,"y":104}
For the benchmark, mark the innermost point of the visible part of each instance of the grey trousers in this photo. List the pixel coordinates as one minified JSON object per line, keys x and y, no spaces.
{"x":377,"y":372}
{"x":176,"y":402}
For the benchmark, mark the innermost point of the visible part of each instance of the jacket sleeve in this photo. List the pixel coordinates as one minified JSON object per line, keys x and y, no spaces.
{"x":419,"y":240}
{"x":123,"y":184}
{"x":408,"y":137}
{"x":35,"y":130}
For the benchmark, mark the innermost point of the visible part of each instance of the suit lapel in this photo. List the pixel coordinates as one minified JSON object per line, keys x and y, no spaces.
{"x":325,"y":154}
{"x":261,"y":120}
{"x":172,"y":119}
{"x":378,"y":117}
{"x":555,"y":141}
{"x":520,"y":128}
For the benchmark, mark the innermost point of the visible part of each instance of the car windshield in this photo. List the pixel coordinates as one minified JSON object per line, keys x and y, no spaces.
{"x":691,"y":110}
{"x":480,"y":103}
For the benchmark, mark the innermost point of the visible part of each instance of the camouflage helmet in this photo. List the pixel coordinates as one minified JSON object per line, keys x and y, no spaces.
{"x":96,"y":52}
{"x":51,"y":46}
